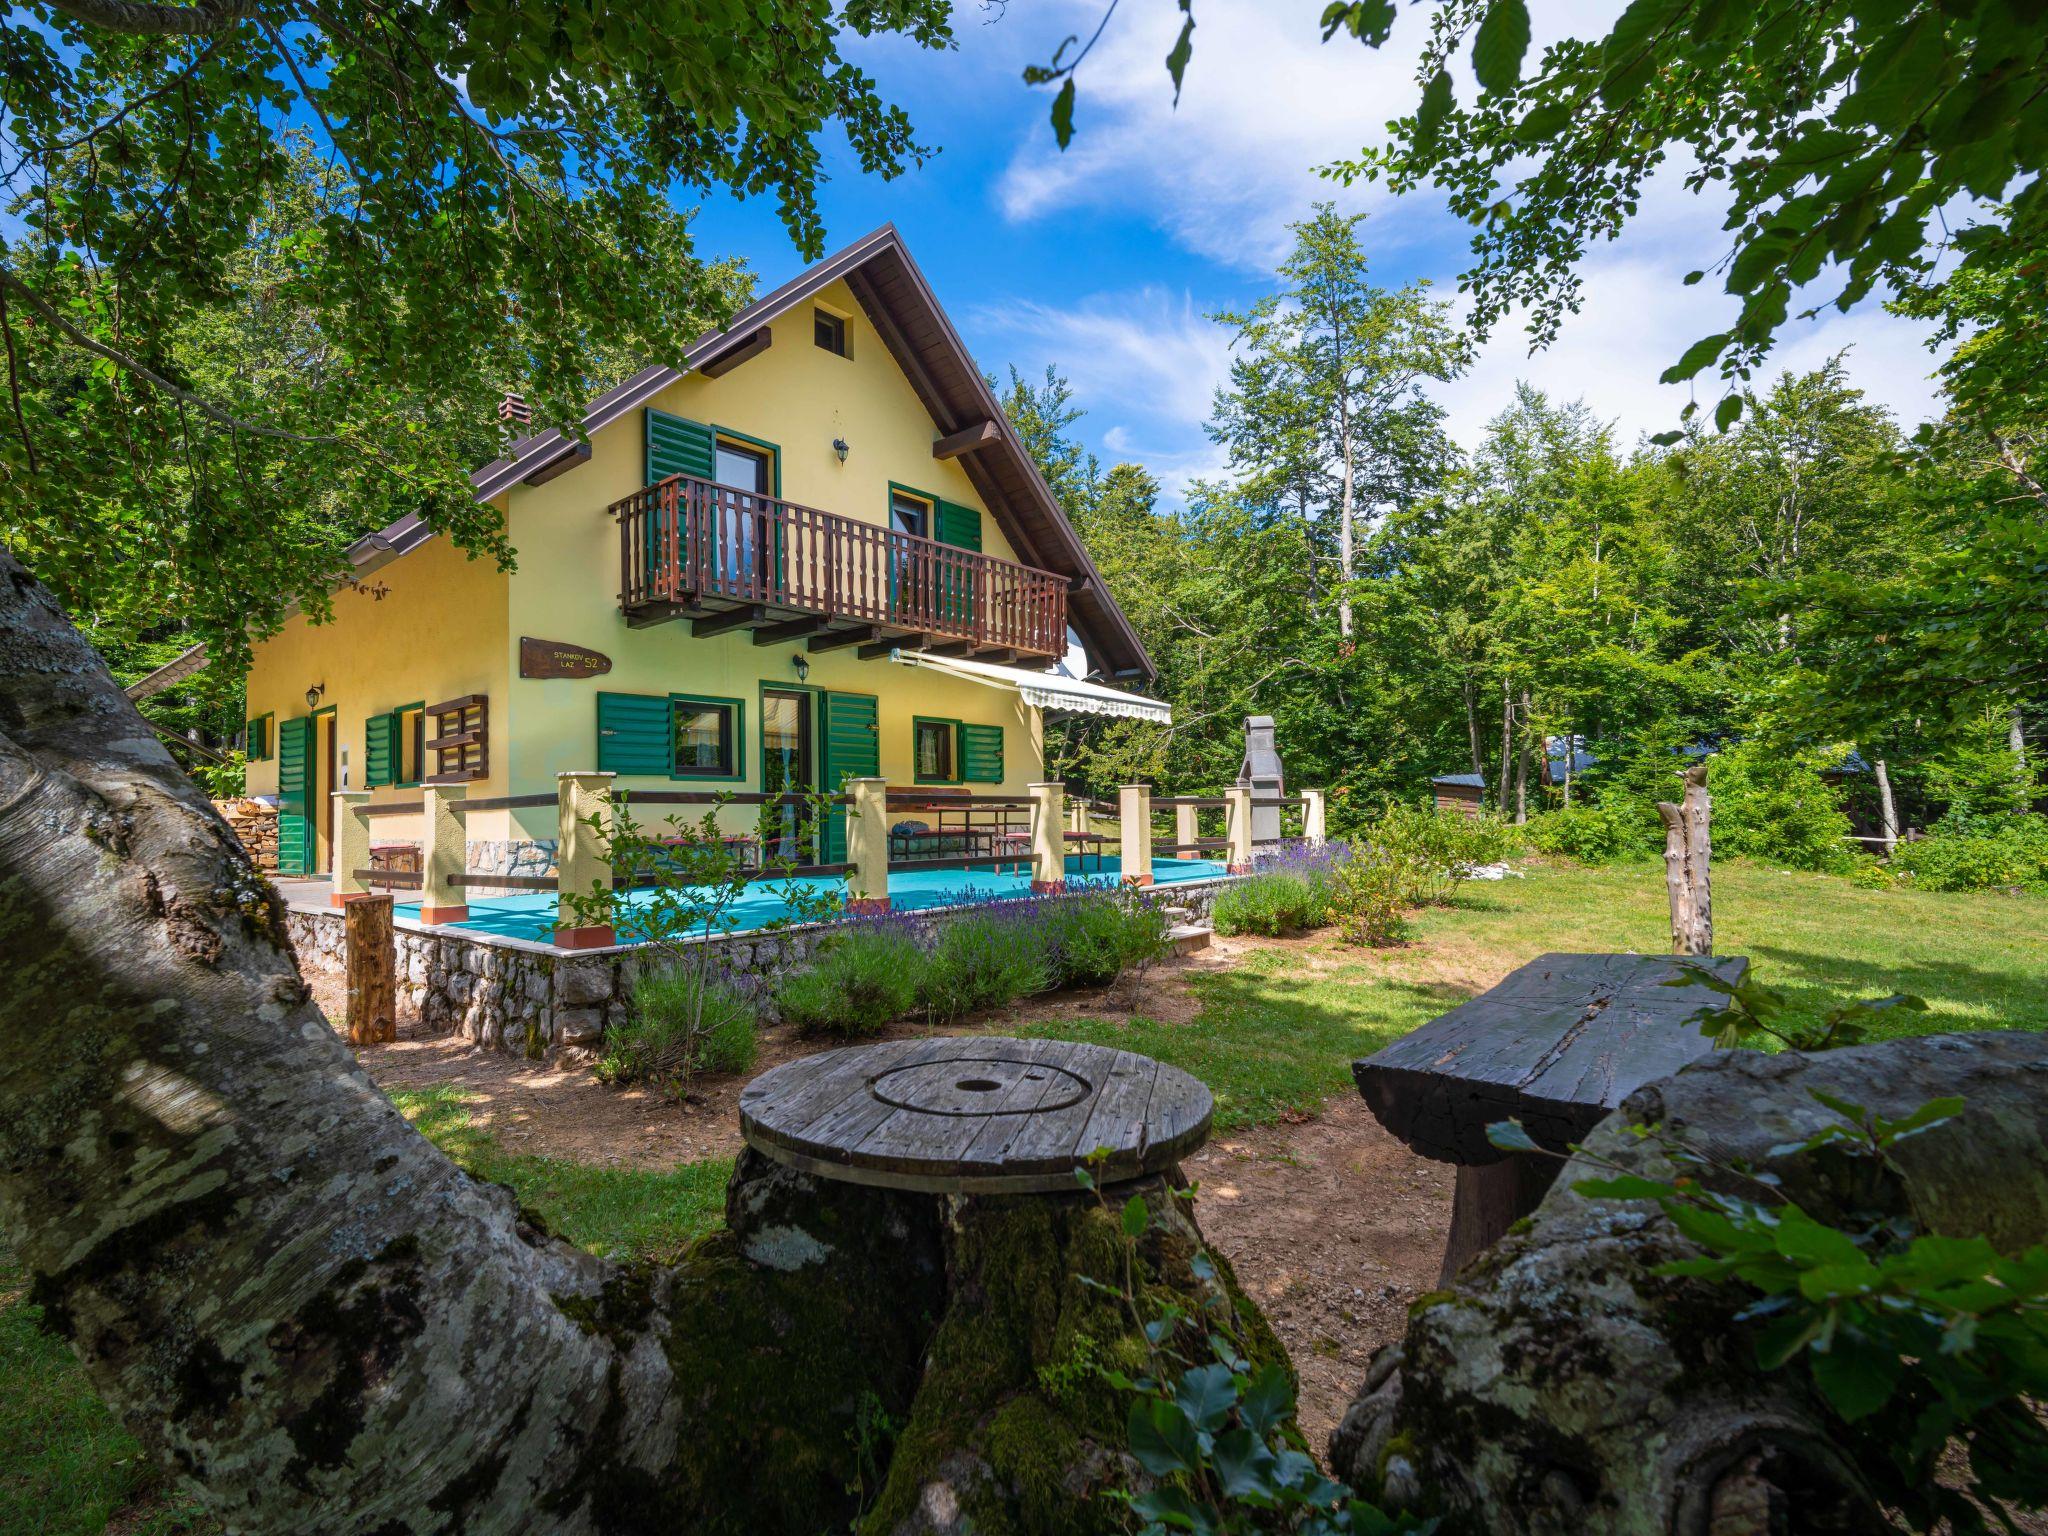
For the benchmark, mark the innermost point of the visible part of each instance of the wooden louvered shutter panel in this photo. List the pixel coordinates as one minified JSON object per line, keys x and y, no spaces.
{"x":677,"y":446}
{"x":294,"y":810}
{"x":961,"y":527}
{"x":853,"y":750}
{"x":633,"y":734}
{"x":981,"y":754}
{"x":257,"y":737}
{"x":380,"y":751}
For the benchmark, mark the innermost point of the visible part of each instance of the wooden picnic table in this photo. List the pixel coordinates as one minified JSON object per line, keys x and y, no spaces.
{"x":975,"y":1115}
{"x":1557,"y":1045}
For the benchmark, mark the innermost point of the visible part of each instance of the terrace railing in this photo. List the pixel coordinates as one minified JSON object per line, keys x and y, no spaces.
{"x":684,"y":542}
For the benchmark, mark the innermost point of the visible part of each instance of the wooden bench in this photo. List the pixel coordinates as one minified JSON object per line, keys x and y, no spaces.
{"x":1557,"y":1045}
{"x":975,"y":1115}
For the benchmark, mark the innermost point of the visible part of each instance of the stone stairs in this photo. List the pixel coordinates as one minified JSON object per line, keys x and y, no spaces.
{"x":1185,"y":932}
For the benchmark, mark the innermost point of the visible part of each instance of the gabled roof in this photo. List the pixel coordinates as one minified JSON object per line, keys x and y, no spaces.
{"x":901,"y":305}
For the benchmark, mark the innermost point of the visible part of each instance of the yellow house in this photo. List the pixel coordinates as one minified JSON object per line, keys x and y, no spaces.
{"x":814,"y":549}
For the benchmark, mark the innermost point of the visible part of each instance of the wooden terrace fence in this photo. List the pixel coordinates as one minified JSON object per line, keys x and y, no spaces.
{"x":1037,"y":831}
{"x":685,"y":541}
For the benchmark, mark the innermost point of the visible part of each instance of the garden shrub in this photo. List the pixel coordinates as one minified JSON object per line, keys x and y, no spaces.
{"x":1772,"y":803}
{"x":1438,"y":848}
{"x":681,"y":1023}
{"x":863,"y":978}
{"x":1095,"y":936}
{"x":1370,"y":893}
{"x":1970,"y":852}
{"x":1273,"y":904}
{"x":984,"y":960}
{"x":1593,"y":834}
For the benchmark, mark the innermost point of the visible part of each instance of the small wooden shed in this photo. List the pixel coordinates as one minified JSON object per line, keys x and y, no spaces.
{"x":1464,"y":793}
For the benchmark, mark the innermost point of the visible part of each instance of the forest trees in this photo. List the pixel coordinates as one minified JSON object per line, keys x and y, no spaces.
{"x":1324,"y":414}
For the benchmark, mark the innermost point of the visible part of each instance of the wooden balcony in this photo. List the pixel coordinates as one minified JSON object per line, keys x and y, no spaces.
{"x":731,"y":559}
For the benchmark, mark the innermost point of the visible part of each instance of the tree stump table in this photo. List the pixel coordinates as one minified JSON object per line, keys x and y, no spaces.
{"x":1557,"y":1045}
{"x":975,"y":1115}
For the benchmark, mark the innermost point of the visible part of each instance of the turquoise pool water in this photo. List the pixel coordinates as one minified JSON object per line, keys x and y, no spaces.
{"x":531,"y":915}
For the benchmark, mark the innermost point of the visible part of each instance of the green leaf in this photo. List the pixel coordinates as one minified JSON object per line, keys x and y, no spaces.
{"x":1172,"y":1507}
{"x":1806,"y":1241}
{"x":1726,"y":412}
{"x":1206,"y":1395}
{"x":1244,"y":1466}
{"x":1509,"y":1136}
{"x":1501,"y":43}
{"x":1544,"y":122}
{"x":1697,"y":356}
{"x":1063,"y":114}
{"x":1855,"y":1375}
{"x":1437,"y":101}
{"x":1267,"y":1400}
{"x":1626,"y":1186}
{"x":1135,"y":1216}
{"x":1162,"y":1439}
{"x":1183,"y":49}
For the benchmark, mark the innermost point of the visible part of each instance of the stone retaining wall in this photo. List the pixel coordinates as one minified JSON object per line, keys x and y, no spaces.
{"x":535,"y":999}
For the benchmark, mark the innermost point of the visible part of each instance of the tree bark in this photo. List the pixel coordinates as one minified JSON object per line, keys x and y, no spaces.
{"x":1472,"y":730}
{"x":372,"y":963}
{"x":1688,"y":860}
{"x":1522,"y":766}
{"x":322,"y":1325}
{"x":1563,"y":1385}
{"x":1887,"y":809}
{"x":1507,"y":738}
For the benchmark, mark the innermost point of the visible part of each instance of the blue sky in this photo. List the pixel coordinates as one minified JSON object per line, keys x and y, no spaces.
{"x":1105,"y":260}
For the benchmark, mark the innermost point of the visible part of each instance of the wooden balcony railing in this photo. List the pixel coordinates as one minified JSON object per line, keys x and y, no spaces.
{"x":684,"y":542}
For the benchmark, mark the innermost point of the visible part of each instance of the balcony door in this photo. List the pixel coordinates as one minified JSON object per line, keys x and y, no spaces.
{"x":909,"y":570}
{"x":739,"y":523}
{"x":787,"y":768}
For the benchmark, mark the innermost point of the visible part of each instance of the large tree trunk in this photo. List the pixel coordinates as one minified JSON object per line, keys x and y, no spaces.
{"x":1563,"y":1385}
{"x":322,"y":1325}
{"x":1472,"y":732}
{"x":1887,"y":810}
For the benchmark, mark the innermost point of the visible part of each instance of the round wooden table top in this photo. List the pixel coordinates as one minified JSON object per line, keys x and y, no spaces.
{"x":975,"y":1115}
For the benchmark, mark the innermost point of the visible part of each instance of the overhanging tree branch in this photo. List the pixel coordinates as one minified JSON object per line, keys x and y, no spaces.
{"x":146,"y":20}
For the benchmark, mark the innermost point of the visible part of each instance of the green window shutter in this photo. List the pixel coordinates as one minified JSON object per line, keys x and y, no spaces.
{"x":294,"y":797}
{"x":676,"y":446}
{"x":981,"y":754}
{"x":380,"y":751}
{"x":959,"y":526}
{"x":633,"y":734}
{"x":853,"y":750}
{"x":258,"y":739}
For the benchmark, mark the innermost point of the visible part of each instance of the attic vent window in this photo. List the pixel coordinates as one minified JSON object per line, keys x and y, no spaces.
{"x":830,"y":331}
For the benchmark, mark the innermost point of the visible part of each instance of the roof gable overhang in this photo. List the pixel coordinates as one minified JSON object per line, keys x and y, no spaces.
{"x":921,"y":339}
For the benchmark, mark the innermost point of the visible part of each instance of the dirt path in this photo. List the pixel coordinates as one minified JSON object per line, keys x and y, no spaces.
{"x":1332,"y":1225}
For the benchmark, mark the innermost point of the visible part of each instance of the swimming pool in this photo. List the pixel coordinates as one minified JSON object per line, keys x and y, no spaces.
{"x":531,"y":915}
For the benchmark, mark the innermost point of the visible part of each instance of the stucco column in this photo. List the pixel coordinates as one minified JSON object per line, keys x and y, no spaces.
{"x":350,"y":830}
{"x":1134,"y":817}
{"x":1315,"y":816}
{"x":444,"y":854}
{"x":1237,"y":810}
{"x":1048,"y":845}
{"x":582,"y":853}
{"x":1187,"y":830}
{"x":867,"y":845}
{"x":1077,"y":815}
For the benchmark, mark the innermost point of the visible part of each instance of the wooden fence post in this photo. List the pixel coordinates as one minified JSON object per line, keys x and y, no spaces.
{"x":1688,"y":853}
{"x":1048,"y":842}
{"x":1134,"y":820}
{"x":444,"y":854}
{"x":867,"y":845}
{"x":1315,"y":816}
{"x":582,"y":855}
{"x":1238,"y":811}
{"x":372,"y":970}
{"x":349,"y":834}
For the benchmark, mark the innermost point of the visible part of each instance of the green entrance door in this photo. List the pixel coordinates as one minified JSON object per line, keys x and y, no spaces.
{"x":295,"y":797}
{"x":786,"y":769}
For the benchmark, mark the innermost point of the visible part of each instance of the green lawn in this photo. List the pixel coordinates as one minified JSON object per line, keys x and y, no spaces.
{"x":1278,"y":1034}
{"x":1272,"y":1036}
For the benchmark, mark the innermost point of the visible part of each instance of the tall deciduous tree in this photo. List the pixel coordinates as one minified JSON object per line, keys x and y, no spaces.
{"x":1324,"y":408}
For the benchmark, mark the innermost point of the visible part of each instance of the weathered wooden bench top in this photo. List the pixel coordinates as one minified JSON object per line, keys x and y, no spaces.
{"x":1556,"y":1045}
{"x":975,"y":1115}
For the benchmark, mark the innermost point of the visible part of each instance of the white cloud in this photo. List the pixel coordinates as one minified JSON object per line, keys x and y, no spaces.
{"x":1144,"y":365}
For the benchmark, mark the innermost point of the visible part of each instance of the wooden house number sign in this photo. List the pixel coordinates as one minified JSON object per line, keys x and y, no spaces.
{"x":557,"y":658}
